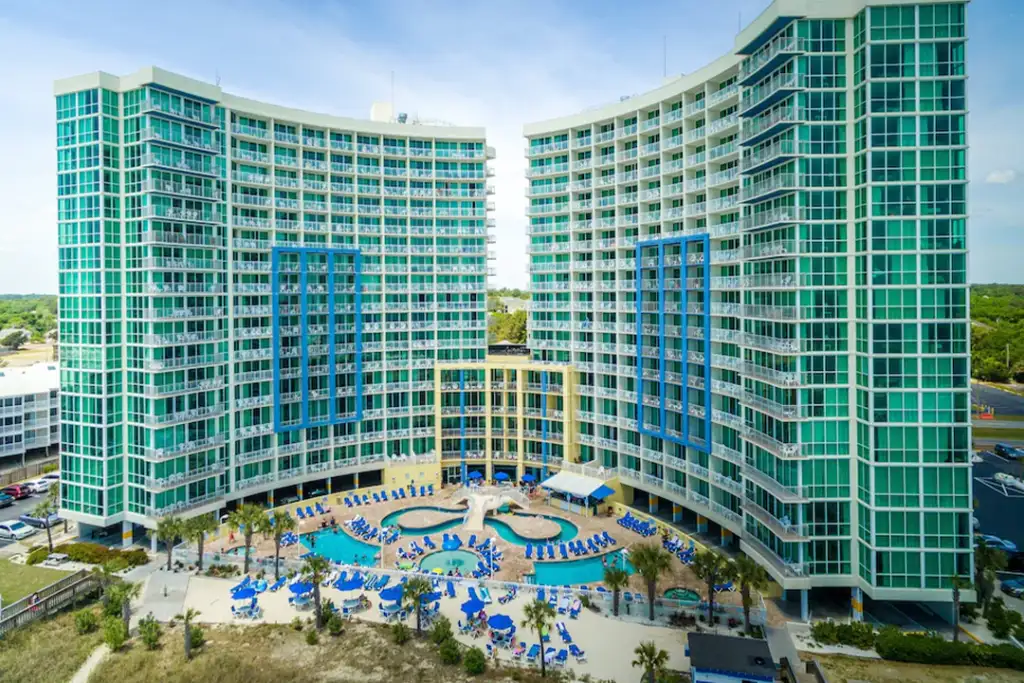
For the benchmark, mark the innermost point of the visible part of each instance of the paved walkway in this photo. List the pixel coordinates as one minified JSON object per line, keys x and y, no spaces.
{"x":83,"y":673}
{"x":164,"y":595}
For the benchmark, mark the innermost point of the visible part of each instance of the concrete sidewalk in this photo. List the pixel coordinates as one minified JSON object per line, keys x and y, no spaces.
{"x":164,"y":595}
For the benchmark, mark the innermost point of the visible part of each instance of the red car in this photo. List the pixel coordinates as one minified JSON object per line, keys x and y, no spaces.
{"x":16,"y":491}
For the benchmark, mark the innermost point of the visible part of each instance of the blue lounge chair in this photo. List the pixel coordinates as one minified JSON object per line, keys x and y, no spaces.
{"x":529,"y":551}
{"x":533,"y":653}
{"x":277,"y":584}
{"x":541,"y":594}
{"x":485,"y":595}
{"x":309,"y":511}
{"x":430,"y":489}
{"x":298,"y":511}
{"x":423,"y":491}
{"x":450,"y":590}
{"x":384,"y":495}
{"x":320,"y":509}
{"x":576,"y":652}
{"x":383,"y":583}
{"x":472,"y":540}
{"x":551,"y":552}
{"x":561,"y":551}
{"x":608,"y":538}
{"x":561,"y":657}
{"x":376,"y":498}
{"x":455,"y":537}
{"x":412,"y":491}
{"x":472,"y":594}
{"x":348,"y":503}
{"x":401,"y":493}
{"x":366,"y":499}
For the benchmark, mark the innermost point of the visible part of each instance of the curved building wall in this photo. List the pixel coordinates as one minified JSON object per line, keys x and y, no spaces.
{"x":759,"y":271}
{"x":253,"y":297}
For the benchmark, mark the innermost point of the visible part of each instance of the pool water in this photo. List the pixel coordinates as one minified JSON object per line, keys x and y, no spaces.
{"x":682,"y":594}
{"x":566,"y":529}
{"x":450,"y":560}
{"x":575,"y":572}
{"x":340,"y":547}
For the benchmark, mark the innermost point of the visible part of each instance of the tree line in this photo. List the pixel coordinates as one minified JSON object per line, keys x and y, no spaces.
{"x":997,"y":332}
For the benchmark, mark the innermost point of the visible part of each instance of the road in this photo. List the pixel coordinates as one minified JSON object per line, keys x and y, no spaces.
{"x":1003,"y":402}
{"x":998,"y":514}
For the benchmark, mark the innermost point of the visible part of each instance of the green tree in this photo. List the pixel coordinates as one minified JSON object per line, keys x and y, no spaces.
{"x":196,"y":529}
{"x":187,"y":617}
{"x":713,"y":568}
{"x":275,"y":527}
{"x":750,"y":576}
{"x":651,"y":659}
{"x":412,"y":594}
{"x":248,"y":518}
{"x":538,"y":617}
{"x":14,"y":340}
{"x":43,"y":510}
{"x":650,"y":562}
{"x":169,"y":531}
{"x":315,"y":570}
{"x":124,"y":592}
{"x":987,"y":561}
{"x":615,"y":579}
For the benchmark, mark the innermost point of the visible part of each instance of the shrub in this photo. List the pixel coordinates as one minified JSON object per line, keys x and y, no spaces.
{"x":1001,"y":621}
{"x":198,"y":636}
{"x":475,"y":661}
{"x":311,"y":637}
{"x":401,"y":633}
{"x":114,"y":599}
{"x":297,"y":623}
{"x":51,"y":467}
{"x":450,"y":652}
{"x":856,"y":634}
{"x":335,"y":625}
{"x":896,"y":645}
{"x":37,"y":555}
{"x":94,"y":553}
{"x":149,"y":631}
{"x":441,"y":630}
{"x":86,"y":621}
{"x":114,"y":633}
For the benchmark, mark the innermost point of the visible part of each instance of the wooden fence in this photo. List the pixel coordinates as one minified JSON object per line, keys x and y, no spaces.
{"x":27,"y":472}
{"x":49,"y":600}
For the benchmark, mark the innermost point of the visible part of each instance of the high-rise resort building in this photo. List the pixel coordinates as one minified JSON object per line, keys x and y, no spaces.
{"x":253,"y":298}
{"x":758,"y":271}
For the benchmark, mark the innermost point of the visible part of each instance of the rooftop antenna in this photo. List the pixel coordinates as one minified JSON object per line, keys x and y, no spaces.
{"x":216,"y":77}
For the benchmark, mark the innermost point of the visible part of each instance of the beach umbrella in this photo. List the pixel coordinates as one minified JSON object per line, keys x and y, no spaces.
{"x":244,"y":593}
{"x":529,"y":477}
{"x":472,"y":606}
{"x":350,"y":584}
{"x":393,"y":593}
{"x":475,"y":474}
{"x":500,"y":622}
{"x":500,"y":476}
{"x":300,"y":588}
{"x":430,"y":597}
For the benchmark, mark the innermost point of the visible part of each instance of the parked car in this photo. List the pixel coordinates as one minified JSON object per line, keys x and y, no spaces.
{"x":39,"y":485}
{"x":996,"y":542}
{"x":1008,"y":451}
{"x":51,"y":476}
{"x":6,"y":500}
{"x":15,"y":530}
{"x":38,"y":522}
{"x":1013,"y":587}
{"x":17,"y":491}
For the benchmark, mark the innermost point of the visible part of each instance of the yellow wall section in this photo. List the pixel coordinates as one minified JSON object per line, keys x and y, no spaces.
{"x":420,"y":474}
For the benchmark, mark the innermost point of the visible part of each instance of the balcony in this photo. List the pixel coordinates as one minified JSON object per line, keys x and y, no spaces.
{"x":771,"y":444}
{"x":761,"y":128}
{"x":767,"y":93}
{"x":769,"y":58}
{"x":181,"y":478}
{"x":769,"y":188}
{"x":186,"y":505}
{"x":772,"y":218}
{"x":784,"y":494}
{"x":785,"y":529}
{"x":184,"y":448}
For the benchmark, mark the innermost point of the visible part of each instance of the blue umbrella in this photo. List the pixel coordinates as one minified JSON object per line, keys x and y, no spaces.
{"x":392,"y":593}
{"x":472,"y":606}
{"x":430,"y":597}
{"x":529,"y":477}
{"x":300,"y":588}
{"x":500,"y":622}
{"x":244,"y":594}
{"x":500,"y":476}
{"x":350,"y":585}
{"x":475,"y":474}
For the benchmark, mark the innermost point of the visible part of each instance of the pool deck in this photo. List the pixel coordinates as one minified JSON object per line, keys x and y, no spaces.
{"x":424,"y":519}
{"x":514,"y":566}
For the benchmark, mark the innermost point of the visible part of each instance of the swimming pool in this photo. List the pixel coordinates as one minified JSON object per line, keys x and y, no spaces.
{"x":566,"y":529}
{"x":340,"y":547}
{"x":575,"y":572}
{"x":682,"y":595}
{"x":450,"y":560}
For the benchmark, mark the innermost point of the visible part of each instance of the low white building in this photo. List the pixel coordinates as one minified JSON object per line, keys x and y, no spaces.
{"x":29,"y":410}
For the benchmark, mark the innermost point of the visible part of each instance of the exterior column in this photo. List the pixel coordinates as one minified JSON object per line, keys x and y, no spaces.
{"x":805,"y":610}
{"x":725,"y":537}
{"x":152,"y":542}
{"x":298,"y":491}
{"x":329,"y":486}
{"x":270,"y":497}
{"x":857,"y":603}
{"x":677,"y":513}
{"x":126,"y":535}
{"x":702,"y":524}
{"x":355,"y":479}
{"x":652,"y":504}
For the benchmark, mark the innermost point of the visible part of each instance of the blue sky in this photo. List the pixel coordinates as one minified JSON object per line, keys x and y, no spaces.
{"x":473,"y":63}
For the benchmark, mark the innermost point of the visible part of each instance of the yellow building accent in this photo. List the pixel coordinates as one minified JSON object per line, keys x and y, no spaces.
{"x":503,"y":395}
{"x":401,"y":475}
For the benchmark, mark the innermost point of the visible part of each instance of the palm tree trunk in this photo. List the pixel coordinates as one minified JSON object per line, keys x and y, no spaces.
{"x":650,"y":599}
{"x":711,"y":604}
{"x":188,"y":641}
{"x":956,"y":614}
{"x":745,"y":594}
{"x":650,"y":675}
{"x":615,"y":601}
{"x":246,"y":564}
{"x":49,"y":536}
{"x":170,"y":550}
{"x":126,"y":614}
{"x":543,"y":665}
{"x":277,"y":557}
{"x":319,"y":607}
{"x":202,"y":541}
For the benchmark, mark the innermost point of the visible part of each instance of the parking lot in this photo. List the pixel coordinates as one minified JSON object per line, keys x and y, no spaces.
{"x":1003,"y":402}
{"x":20,"y":507}
{"x":1000,"y":508}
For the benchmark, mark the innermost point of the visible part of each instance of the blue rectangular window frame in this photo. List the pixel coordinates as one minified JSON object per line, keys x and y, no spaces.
{"x":303,"y":253}
{"x":683,"y":241}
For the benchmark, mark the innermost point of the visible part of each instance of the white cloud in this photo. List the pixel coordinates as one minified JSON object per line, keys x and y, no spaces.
{"x":1004,"y":177}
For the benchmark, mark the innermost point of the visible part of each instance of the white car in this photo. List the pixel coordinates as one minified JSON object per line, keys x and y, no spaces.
{"x":15,"y":530}
{"x":39,"y":485}
{"x":52,"y":477}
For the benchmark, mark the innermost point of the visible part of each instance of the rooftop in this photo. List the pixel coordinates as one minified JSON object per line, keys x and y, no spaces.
{"x":40,"y":378}
{"x":731,"y":655}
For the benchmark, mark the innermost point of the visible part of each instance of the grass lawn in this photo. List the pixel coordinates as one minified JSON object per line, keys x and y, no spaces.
{"x":1011,"y":434}
{"x":19,"y":580}
{"x":279,"y":654}
{"x":48,"y":651}
{"x":840,"y":669}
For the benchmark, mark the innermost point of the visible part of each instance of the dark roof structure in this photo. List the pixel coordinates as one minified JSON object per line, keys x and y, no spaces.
{"x":731,"y":655}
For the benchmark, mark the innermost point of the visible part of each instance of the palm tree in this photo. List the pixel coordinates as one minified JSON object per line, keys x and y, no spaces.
{"x":987,"y":561}
{"x":169,"y":529}
{"x":249,"y":518}
{"x":128,"y":592}
{"x":43,"y":511}
{"x":650,"y":562}
{"x":106,"y":577}
{"x":538,"y":617}
{"x":958,"y":584}
{"x":713,"y":568}
{"x":415,"y":589}
{"x":187,"y":616}
{"x":650,"y":659}
{"x":616,"y":579}
{"x":751,"y":576}
{"x":196,"y":529}
{"x":276,"y":526}
{"x":316,"y":570}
